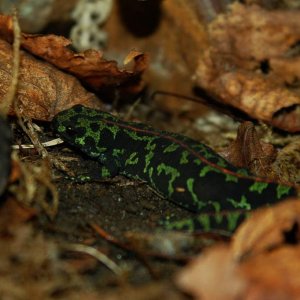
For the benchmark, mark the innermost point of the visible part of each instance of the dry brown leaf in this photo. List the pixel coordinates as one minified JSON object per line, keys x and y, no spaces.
{"x":217,"y":275}
{"x":213,"y":275}
{"x":236,"y":67}
{"x":43,"y":90}
{"x":268,"y":228}
{"x":31,"y":267}
{"x":89,"y":66}
{"x":262,"y":262}
{"x":250,"y":34}
{"x":274,"y":275}
{"x":252,"y":93}
{"x":247,"y":151}
{"x":287,"y":163}
{"x":12,"y":214}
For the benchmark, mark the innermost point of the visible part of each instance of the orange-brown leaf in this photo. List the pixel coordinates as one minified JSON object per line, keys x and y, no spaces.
{"x":273,"y":275}
{"x":43,"y":90}
{"x":213,"y":275}
{"x":89,"y":66}
{"x":268,"y":228}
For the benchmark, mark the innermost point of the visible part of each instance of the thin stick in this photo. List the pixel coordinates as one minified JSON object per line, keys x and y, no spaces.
{"x":209,"y":102}
{"x":51,"y":143}
{"x":11,"y":93}
{"x":111,"y":265}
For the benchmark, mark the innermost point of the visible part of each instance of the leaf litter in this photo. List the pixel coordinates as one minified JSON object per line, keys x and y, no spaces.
{"x":260,"y":260}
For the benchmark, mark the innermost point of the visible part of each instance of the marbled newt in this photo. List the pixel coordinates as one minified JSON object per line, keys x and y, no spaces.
{"x":187,"y":172}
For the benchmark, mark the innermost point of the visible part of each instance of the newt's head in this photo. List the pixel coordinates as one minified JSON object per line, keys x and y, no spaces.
{"x":82,"y":128}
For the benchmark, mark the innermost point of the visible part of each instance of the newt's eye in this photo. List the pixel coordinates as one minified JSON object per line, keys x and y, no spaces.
{"x":70,"y":130}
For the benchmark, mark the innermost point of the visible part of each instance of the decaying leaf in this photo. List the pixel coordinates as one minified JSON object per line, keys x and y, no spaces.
{"x":273,"y":275}
{"x":217,"y":275}
{"x":213,"y":275}
{"x":237,"y":68}
{"x":268,"y":228}
{"x":31,"y":267}
{"x":12,"y":214}
{"x":287,"y":163}
{"x":271,"y":236}
{"x":89,"y":66}
{"x":43,"y":90}
{"x":247,"y":151}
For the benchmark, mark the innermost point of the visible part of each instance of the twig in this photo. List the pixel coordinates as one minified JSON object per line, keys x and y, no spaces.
{"x":132,"y":108}
{"x":111,"y":265}
{"x":51,"y":143}
{"x":11,"y":93}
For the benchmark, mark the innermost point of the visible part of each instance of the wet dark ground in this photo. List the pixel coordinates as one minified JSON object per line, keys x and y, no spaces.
{"x":117,"y":205}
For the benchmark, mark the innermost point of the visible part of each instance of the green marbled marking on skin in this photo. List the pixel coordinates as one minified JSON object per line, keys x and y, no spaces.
{"x":187,"y":224}
{"x":242,"y":172}
{"x":207,"y":169}
{"x":83,"y":178}
{"x":218,"y":218}
{"x":190,"y":187}
{"x":150,"y":153}
{"x":132,"y":159}
{"x":136,"y":137}
{"x":282,"y":190}
{"x":61,"y":128}
{"x":184,"y":157}
{"x":243,"y":203}
{"x":105,"y":172}
{"x":169,"y":170}
{"x":80,"y":141}
{"x":232,"y":220}
{"x":204,"y":220}
{"x":258,"y":187}
{"x":231,"y":178}
{"x":216,"y":205}
{"x":98,"y":152}
{"x":197,"y":162}
{"x":118,"y":152}
{"x":222,"y":163}
{"x":171,"y":148}
{"x":114,"y":130}
{"x":204,"y":151}
{"x":150,"y":173}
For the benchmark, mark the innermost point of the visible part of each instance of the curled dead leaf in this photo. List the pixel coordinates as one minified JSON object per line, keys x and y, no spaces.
{"x":268,"y":228}
{"x":89,"y":66}
{"x":247,"y":151}
{"x":43,"y":90}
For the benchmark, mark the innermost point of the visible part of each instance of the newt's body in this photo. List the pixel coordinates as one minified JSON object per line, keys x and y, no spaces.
{"x":187,"y":172}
